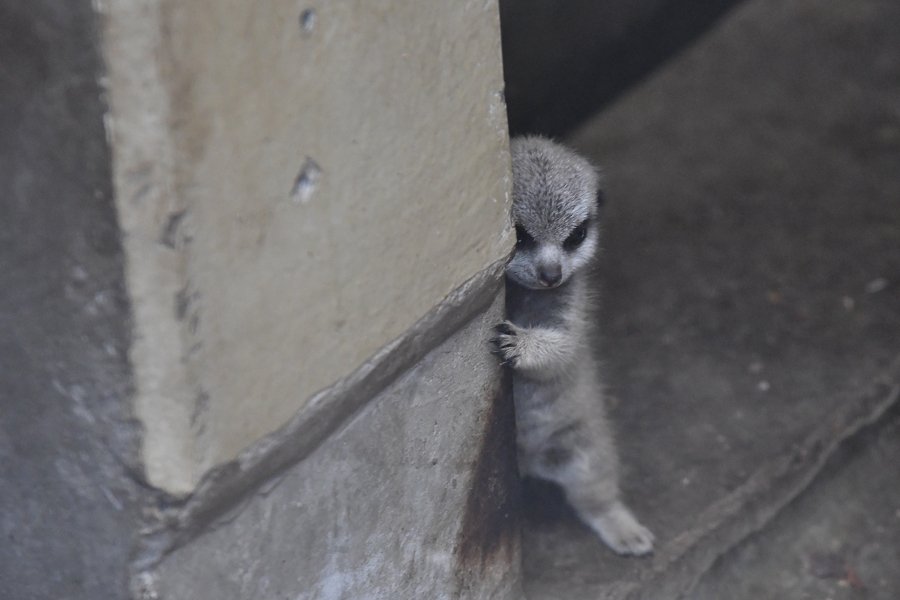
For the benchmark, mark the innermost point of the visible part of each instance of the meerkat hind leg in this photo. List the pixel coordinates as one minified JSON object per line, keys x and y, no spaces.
{"x":592,"y":489}
{"x":613,"y":522}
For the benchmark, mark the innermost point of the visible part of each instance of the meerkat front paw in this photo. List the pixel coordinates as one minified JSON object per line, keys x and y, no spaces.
{"x":622,"y":532}
{"x":506,"y":344}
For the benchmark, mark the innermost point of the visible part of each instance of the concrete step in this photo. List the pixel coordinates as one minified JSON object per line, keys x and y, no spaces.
{"x":751,"y":299}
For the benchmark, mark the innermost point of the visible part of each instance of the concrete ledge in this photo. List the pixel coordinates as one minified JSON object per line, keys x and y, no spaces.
{"x":173,"y":523}
{"x":414,"y":496}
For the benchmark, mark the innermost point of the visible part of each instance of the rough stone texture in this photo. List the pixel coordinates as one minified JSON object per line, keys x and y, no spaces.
{"x":298,"y":187}
{"x":416,"y":497}
{"x":751,"y":277}
{"x":840,"y":540}
{"x":67,"y":449}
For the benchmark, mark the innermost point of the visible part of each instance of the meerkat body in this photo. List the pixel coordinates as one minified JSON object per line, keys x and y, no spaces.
{"x":563,"y":434}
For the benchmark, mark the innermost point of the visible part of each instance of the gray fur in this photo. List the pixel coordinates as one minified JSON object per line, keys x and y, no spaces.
{"x":563,"y":434}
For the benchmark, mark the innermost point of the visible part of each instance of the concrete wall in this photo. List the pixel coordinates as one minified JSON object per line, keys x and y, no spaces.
{"x":298,"y":184}
{"x":255,"y":252}
{"x":68,"y":444}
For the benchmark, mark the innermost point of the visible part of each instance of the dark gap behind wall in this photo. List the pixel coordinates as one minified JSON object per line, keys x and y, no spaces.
{"x":565,"y":60}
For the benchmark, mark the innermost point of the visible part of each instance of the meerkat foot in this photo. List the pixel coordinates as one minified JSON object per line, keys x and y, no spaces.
{"x":505,"y":344}
{"x":621,"y":531}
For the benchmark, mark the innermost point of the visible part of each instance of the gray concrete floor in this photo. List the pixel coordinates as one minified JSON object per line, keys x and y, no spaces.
{"x":751,"y":284}
{"x":839,"y":541}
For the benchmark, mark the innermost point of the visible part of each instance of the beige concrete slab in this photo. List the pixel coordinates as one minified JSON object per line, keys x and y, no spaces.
{"x":298,"y":184}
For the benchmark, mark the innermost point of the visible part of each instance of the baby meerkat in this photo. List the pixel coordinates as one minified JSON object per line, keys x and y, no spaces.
{"x":562,"y":431}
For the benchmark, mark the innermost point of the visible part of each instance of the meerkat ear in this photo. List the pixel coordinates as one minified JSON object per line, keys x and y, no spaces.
{"x":601,"y":198}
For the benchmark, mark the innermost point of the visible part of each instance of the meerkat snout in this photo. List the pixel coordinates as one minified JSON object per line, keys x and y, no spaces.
{"x":555,"y":211}
{"x":550,"y":274}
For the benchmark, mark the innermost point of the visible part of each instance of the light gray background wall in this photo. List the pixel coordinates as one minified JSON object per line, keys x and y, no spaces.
{"x":68,"y":445}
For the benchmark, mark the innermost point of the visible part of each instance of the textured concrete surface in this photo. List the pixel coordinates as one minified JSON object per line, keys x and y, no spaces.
{"x":750,"y":283}
{"x":840,"y":540}
{"x":68,"y":448}
{"x":173,"y":524}
{"x":415,"y":498}
{"x":298,"y":186}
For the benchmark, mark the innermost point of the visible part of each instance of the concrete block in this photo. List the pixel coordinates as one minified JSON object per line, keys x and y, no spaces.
{"x":416,"y":497}
{"x":281,"y":200}
{"x":298,"y":184}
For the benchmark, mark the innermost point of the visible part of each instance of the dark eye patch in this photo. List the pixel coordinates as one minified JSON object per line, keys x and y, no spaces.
{"x":523,"y":238}
{"x":576,"y":237}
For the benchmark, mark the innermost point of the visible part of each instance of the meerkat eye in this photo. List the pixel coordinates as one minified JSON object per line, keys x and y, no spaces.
{"x":576,"y":237}
{"x":523,"y":238}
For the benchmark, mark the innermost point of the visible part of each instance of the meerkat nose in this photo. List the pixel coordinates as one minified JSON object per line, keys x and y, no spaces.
{"x":550,"y":275}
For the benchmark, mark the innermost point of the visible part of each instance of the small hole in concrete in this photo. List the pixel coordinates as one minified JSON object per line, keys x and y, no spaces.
{"x":308,"y":20}
{"x":169,"y":235}
{"x":306,"y":182}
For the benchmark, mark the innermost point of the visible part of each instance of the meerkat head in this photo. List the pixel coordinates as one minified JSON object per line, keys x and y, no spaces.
{"x":556,"y":195}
